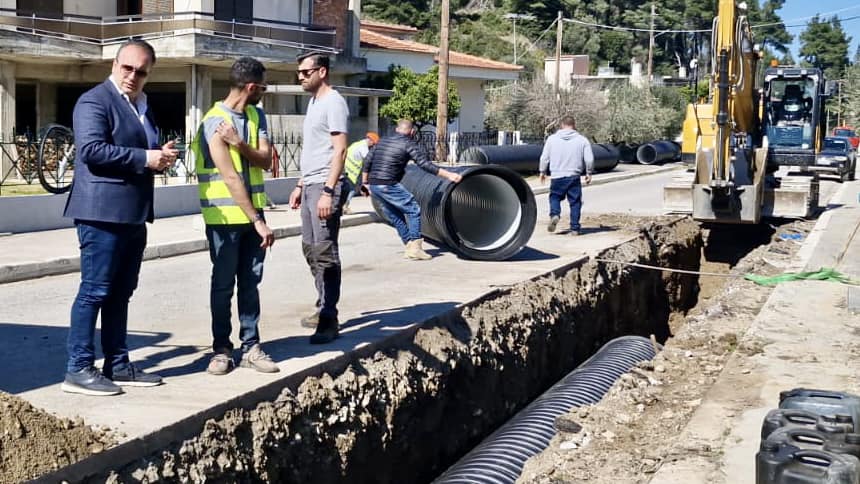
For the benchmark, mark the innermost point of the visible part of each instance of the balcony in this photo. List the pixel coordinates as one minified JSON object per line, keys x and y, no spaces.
{"x":111,"y":30}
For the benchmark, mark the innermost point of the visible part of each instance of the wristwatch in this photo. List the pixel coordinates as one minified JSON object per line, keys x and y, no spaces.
{"x":328,"y":189}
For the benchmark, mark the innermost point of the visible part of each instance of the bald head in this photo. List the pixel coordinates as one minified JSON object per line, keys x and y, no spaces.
{"x":405,"y":127}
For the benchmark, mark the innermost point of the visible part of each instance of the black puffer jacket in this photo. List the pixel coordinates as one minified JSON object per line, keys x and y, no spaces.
{"x":386,"y":162}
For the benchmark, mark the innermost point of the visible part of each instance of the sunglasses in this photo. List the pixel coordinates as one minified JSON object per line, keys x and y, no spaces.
{"x":307,"y":72}
{"x":129,"y":70}
{"x":262,"y":87}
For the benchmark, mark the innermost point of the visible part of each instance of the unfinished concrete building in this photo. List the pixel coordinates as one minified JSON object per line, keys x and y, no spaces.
{"x":51,"y":51}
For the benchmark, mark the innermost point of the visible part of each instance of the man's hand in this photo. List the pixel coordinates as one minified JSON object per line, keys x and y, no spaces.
{"x":229,"y":134}
{"x":365,"y":189}
{"x":587,"y":179}
{"x":454,"y":177}
{"x":542,"y":178}
{"x":159,"y":160}
{"x":265,"y":233}
{"x":325,"y":206}
{"x":296,"y":198}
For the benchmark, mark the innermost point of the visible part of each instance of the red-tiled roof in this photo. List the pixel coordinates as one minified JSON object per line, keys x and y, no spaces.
{"x":374,"y":24}
{"x":379,"y":41}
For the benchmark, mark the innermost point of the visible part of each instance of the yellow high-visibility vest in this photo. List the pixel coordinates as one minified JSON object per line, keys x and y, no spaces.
{"x":216,"y":203}
{"x":353,"y":162}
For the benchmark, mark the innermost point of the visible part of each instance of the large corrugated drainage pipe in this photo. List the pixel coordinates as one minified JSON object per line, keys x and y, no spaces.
{"x":489,"y":215}
{"x":657,"y":151}
{"x":500,"y":458}
{"x":526,"y":158}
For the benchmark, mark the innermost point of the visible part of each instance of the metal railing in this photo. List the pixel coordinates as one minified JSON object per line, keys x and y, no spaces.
{"x":107,"y":30}
{"x":20,"y":155}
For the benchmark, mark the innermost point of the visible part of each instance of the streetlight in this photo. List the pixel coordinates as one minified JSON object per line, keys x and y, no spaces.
{"x":515,"y":17}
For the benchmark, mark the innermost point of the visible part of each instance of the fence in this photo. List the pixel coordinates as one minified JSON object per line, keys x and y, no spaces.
{"x":19,"y":154}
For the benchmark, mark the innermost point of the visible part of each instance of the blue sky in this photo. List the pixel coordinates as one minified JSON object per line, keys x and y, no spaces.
{"x":795,"y":14}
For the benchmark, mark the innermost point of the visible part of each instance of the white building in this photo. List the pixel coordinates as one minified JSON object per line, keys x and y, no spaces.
{"x":383,"y":45}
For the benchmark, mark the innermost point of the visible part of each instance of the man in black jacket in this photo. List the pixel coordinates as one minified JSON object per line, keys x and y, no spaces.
{"x":384,"y":168}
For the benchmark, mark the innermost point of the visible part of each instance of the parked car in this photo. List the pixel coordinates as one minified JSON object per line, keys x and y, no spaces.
{"x":837,"y":156}
{"x":848,"y":132}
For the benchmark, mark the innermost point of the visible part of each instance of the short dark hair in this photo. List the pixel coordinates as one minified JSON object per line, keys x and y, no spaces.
{"x":139,"y":43}
{"x":568,"y":121}
{"x":320,"y":59}
{"x":245,"y":70}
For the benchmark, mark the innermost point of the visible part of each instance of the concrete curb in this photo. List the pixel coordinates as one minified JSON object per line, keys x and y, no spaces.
{"x":64,"y":265}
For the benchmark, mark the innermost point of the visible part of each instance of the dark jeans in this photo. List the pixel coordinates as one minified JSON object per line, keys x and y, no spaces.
{"x":320,"y":247}
{"x":570,"y":187}
{"x":237,"y":260}
{"x":400,"y":209}
{"x":111,"y":254}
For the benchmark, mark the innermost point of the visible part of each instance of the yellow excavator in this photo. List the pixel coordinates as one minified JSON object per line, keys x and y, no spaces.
{"x":750,"y":145}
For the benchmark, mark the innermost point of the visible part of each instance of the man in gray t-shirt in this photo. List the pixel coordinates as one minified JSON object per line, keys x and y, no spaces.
{"x":320,"y":193}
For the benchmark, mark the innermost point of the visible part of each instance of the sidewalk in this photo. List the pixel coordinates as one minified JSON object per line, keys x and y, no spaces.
{"x":38,"y":254}
{"x":810,"y":334}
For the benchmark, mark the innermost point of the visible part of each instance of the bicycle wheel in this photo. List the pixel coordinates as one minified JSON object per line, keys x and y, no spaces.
{"x":57,"y":158}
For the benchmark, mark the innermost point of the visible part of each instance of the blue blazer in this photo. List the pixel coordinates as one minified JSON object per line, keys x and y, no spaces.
{"x":111,"y":182}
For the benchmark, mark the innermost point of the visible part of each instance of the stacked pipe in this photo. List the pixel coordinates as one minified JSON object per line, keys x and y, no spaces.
{"x":489,"y":215}
{"x":526,"y":158}
{"x":657,"y":151}
{"x":500,"y":458}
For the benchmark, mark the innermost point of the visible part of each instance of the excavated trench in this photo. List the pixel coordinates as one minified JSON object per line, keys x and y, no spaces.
{"x":406,"y":412}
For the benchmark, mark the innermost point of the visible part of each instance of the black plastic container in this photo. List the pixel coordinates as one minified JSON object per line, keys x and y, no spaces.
{"x":822,"y":402}
{"x":792,"y":418}
{"x":787,"y":464}
{"x":805,"y":438}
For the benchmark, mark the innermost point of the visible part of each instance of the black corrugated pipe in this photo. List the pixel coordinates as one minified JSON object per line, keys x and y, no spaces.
{"x":657,"y":151}
{"x":500,"y":458}
{"x":520,"y":158}
{"x":526,"y":158}
{"x":489,"y":215}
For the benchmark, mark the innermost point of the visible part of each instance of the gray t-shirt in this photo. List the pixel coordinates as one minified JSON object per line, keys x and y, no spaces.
{"x":325,"y":116}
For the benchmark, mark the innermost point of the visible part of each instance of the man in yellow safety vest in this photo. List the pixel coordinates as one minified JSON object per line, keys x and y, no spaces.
{"x":231,"y":150}
{"x":355,"y":155}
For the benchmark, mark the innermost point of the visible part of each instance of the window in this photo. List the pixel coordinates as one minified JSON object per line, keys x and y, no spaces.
{"x":42,"y":8}
{"x":128,"y":7}
{"x":238,"y":10}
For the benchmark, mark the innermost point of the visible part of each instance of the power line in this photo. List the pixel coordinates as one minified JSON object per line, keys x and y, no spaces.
{"x":671,"y":31}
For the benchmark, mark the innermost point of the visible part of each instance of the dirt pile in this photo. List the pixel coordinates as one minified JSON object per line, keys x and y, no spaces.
{"x":634,"y":429}
{"x":33,"y":442}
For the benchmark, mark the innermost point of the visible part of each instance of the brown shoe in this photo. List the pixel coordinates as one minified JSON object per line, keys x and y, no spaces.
{"x":221,"y":363}
{"x":257,"y":359}
{"x":414,"y":251}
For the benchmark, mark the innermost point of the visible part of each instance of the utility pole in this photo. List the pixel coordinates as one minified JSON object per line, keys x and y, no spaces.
{"x":558,"y":35}
{"x":442,"y":101}
{"x":651,"y":42}
{"x":515,"y":17}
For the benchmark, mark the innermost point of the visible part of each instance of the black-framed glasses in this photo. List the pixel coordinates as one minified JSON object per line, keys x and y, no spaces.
{"x":307,"y":72}
{"x":128,"y":70}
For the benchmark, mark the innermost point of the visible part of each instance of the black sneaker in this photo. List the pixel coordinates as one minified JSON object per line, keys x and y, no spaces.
{"x":327,"y":331}
{"x":133,"y":376}
{"x":89,"y":381}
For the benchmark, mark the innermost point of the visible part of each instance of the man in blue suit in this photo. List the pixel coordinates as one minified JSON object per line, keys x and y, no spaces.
{"x":111,"y":201}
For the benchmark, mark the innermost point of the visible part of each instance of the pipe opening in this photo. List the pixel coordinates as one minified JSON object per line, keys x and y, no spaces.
{"x":646,"y":154}
{"x":485,"y":212}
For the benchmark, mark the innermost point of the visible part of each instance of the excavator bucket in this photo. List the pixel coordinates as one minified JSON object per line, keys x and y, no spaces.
{"x":796,"y":197}
{"x":678,"y":193}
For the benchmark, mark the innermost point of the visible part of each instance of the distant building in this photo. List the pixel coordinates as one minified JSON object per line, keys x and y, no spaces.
{"x":384,"y":45}
{"x":570,"y":65}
